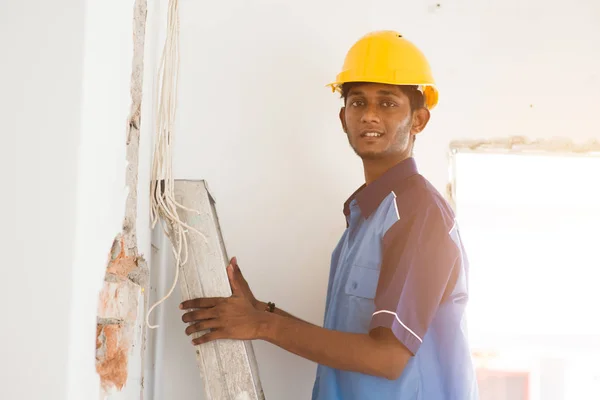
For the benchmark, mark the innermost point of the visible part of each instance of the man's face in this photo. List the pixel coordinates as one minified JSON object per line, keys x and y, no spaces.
{"x":378,"y":121}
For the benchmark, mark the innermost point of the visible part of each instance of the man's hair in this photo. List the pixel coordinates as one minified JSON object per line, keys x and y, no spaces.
{"x":415,"y":96}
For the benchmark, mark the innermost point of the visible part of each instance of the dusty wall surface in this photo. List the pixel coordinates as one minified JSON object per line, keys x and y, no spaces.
{"x":120,"y":334}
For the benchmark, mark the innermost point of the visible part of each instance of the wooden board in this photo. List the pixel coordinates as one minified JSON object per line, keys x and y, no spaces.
{"x":227,"y":367}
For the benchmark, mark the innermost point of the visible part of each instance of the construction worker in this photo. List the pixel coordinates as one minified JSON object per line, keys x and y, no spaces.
{"x":394,"y":321}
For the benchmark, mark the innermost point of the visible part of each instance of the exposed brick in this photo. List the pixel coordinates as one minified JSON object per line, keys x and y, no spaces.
{"x":119,"y":300}
{"x":120,"y":263}
{"x":112,"y":354}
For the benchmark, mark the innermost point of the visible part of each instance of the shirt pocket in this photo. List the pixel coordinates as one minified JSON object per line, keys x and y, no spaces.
{"x":362,"y":282}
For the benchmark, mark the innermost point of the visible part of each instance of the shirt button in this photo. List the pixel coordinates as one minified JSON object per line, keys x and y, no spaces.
{"x":354,"y":285}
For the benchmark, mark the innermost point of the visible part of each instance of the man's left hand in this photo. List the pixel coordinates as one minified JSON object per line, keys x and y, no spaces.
{"x":226,"y":317}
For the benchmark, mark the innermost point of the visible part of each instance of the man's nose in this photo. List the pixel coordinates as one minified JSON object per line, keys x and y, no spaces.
{"x":371,"y":114}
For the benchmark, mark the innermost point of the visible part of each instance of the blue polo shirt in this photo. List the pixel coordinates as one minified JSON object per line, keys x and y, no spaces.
{"x":400,"y":264}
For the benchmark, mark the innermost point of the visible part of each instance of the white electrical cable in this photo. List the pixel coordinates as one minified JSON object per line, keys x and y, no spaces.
{"x":162,"y":191}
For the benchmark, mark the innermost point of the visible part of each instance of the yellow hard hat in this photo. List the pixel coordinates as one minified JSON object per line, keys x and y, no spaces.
{"x":387,"y":57}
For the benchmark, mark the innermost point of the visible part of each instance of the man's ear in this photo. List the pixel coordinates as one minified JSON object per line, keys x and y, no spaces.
{"x":343,"y":118}
{"x":420,"y":120}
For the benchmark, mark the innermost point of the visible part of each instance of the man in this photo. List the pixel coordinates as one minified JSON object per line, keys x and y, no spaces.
{"x":394,"y":325}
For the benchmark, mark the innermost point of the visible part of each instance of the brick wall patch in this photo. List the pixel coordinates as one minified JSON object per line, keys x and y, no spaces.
{"x":121,"y":264}
{"x":113,"y":344}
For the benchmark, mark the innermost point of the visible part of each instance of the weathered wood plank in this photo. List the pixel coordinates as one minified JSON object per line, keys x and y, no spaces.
{"x":228,"y":367}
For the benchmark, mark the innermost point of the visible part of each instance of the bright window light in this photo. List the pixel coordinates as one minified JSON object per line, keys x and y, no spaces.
{"x":531,"y":227}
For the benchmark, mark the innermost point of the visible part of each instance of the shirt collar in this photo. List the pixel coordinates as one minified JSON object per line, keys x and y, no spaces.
{"x":370,"y":196}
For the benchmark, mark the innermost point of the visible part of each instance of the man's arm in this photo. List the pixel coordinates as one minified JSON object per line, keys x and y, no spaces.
{"x":378,"y":353}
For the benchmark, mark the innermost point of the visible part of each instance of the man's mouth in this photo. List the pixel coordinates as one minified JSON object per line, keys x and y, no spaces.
{"x":371,"y":134}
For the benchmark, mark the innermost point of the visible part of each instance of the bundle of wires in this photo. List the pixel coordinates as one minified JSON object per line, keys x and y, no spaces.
{"x":163,"y":205}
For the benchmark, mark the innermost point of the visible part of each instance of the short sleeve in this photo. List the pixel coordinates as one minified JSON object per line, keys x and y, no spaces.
{"x":420,"y":264}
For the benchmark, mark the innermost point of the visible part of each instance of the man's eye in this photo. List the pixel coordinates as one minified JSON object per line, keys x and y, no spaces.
{"x":356,"y":103}
{"x":388,"y":104}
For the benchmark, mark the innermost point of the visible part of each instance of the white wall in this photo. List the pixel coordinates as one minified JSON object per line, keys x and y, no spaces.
{"x":256,"y":122}
{"x":64,"y":101}
{"x":41,"y":76}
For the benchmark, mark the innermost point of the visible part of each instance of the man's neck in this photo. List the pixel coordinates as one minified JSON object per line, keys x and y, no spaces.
{"x":375,"y":168}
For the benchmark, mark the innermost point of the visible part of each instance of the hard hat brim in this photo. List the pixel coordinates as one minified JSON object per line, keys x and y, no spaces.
{"x":429,"y":90}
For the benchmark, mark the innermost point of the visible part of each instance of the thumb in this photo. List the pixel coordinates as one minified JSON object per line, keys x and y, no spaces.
{"x":234,"y":264}
{"x":232,"y":280}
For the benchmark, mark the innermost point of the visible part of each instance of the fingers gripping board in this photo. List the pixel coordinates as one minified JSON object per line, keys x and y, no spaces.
{"x":227,"y":367}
